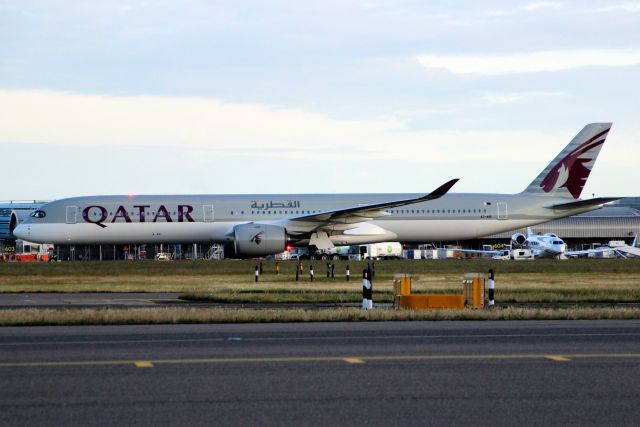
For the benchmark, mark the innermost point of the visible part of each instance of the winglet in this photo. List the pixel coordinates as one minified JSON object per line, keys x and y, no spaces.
{"x":440,"y":191}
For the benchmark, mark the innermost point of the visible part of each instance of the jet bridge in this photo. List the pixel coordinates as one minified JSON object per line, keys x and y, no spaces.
{"x":13,"y":212}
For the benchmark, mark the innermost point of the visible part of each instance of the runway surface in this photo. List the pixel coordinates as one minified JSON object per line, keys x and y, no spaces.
{"x":375,"y":373}
{"x":79,"y":300}
{"x":415,"y":373}
{"x":9,"y":301}
{"x":87,"y":299}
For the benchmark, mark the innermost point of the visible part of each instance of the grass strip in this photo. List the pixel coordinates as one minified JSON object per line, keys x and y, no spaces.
{"x":177,"y":315}
{"x":510,"y":294}
{"x":384,"y":269}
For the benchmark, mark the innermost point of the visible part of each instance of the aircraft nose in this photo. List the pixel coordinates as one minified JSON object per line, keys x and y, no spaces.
{"x":21,"y":232}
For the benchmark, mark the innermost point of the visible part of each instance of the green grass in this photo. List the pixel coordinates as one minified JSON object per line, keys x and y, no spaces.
{"x":571,"y":281}
{"x":33,"y":317}
{"x":546,"y":281}
{"x":384,"y":269}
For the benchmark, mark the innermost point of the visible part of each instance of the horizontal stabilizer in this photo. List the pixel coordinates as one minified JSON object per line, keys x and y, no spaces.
{"x":584,"y":203}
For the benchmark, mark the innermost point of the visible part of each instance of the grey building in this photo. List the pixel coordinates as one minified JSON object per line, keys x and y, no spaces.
{"x":630,"y":202}
{"x":613,"y":222}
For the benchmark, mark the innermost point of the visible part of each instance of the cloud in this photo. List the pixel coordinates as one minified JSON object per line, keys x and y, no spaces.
{"x":632,"y":7}
{"x":82,"y":134}
{"x":512,"y":97}
{"x":532,"y":62}
{"x":543,"y":5}
{"x":208,"y":125}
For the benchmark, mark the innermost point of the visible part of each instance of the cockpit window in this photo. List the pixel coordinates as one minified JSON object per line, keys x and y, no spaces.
{"x":38,"y":214}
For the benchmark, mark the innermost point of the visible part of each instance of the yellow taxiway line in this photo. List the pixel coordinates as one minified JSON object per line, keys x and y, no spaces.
{"x":143,"y":364}
{"x":310,"y":359}
{"x":558,"y":358}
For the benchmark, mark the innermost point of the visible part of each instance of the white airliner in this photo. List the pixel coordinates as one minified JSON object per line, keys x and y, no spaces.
{"x":263,"y":224}
{"x":547,"y":245}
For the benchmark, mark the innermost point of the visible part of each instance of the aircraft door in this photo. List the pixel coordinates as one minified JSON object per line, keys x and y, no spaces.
{"x":502,"y":211}
{"x":207,"y":214}
{"x":72,"y":214}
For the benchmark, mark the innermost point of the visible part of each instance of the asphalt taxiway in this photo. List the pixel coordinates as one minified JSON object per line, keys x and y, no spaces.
{"x":87,"y":299}
{"x":57,"y":300}
{"x":373,"y":373}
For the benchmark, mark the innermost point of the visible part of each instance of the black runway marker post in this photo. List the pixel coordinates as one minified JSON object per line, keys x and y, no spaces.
{"x":367,"y":289}
{"x":257,"y":273}
{"x":491,"y":288}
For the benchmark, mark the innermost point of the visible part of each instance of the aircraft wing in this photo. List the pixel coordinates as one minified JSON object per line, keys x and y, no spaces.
{"x":627,"y":251}
{"x":368,"y":212}
{"x":589,"y":251}
{"x":340,"y":220}
{"x":621,"y":251}
{"x":474,"y":251}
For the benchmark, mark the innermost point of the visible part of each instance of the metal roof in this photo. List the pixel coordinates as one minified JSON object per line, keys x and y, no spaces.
{"x":612,"y":211}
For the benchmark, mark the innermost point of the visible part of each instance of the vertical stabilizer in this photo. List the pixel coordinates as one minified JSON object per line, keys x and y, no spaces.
{"x":567,"y":174}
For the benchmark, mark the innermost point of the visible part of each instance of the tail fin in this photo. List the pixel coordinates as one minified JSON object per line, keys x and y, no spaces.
{"x":567,"y":174}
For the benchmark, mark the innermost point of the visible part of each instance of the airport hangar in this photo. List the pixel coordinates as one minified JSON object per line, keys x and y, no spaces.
{"x":619,"y":220}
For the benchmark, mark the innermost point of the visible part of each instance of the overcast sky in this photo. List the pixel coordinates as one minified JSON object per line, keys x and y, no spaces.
{"x":158,"y":96}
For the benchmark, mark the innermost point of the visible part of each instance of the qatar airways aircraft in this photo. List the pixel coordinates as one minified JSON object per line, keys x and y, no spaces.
{"x":262,"y":224}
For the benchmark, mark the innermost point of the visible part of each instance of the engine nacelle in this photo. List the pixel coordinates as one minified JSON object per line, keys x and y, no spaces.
{"x":256,"y":240}
{"x":13,"y":222}
{"x":518,"y":239}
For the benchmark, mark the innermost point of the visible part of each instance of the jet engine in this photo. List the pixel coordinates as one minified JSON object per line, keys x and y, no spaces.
{"x":518,"y":239}
{"x":13,"y":223}
{"x":257,"y":240}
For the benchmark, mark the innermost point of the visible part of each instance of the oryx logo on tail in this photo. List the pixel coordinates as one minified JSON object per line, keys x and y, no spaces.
{"x":567,"y":173}
{"x":573,"y":170}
